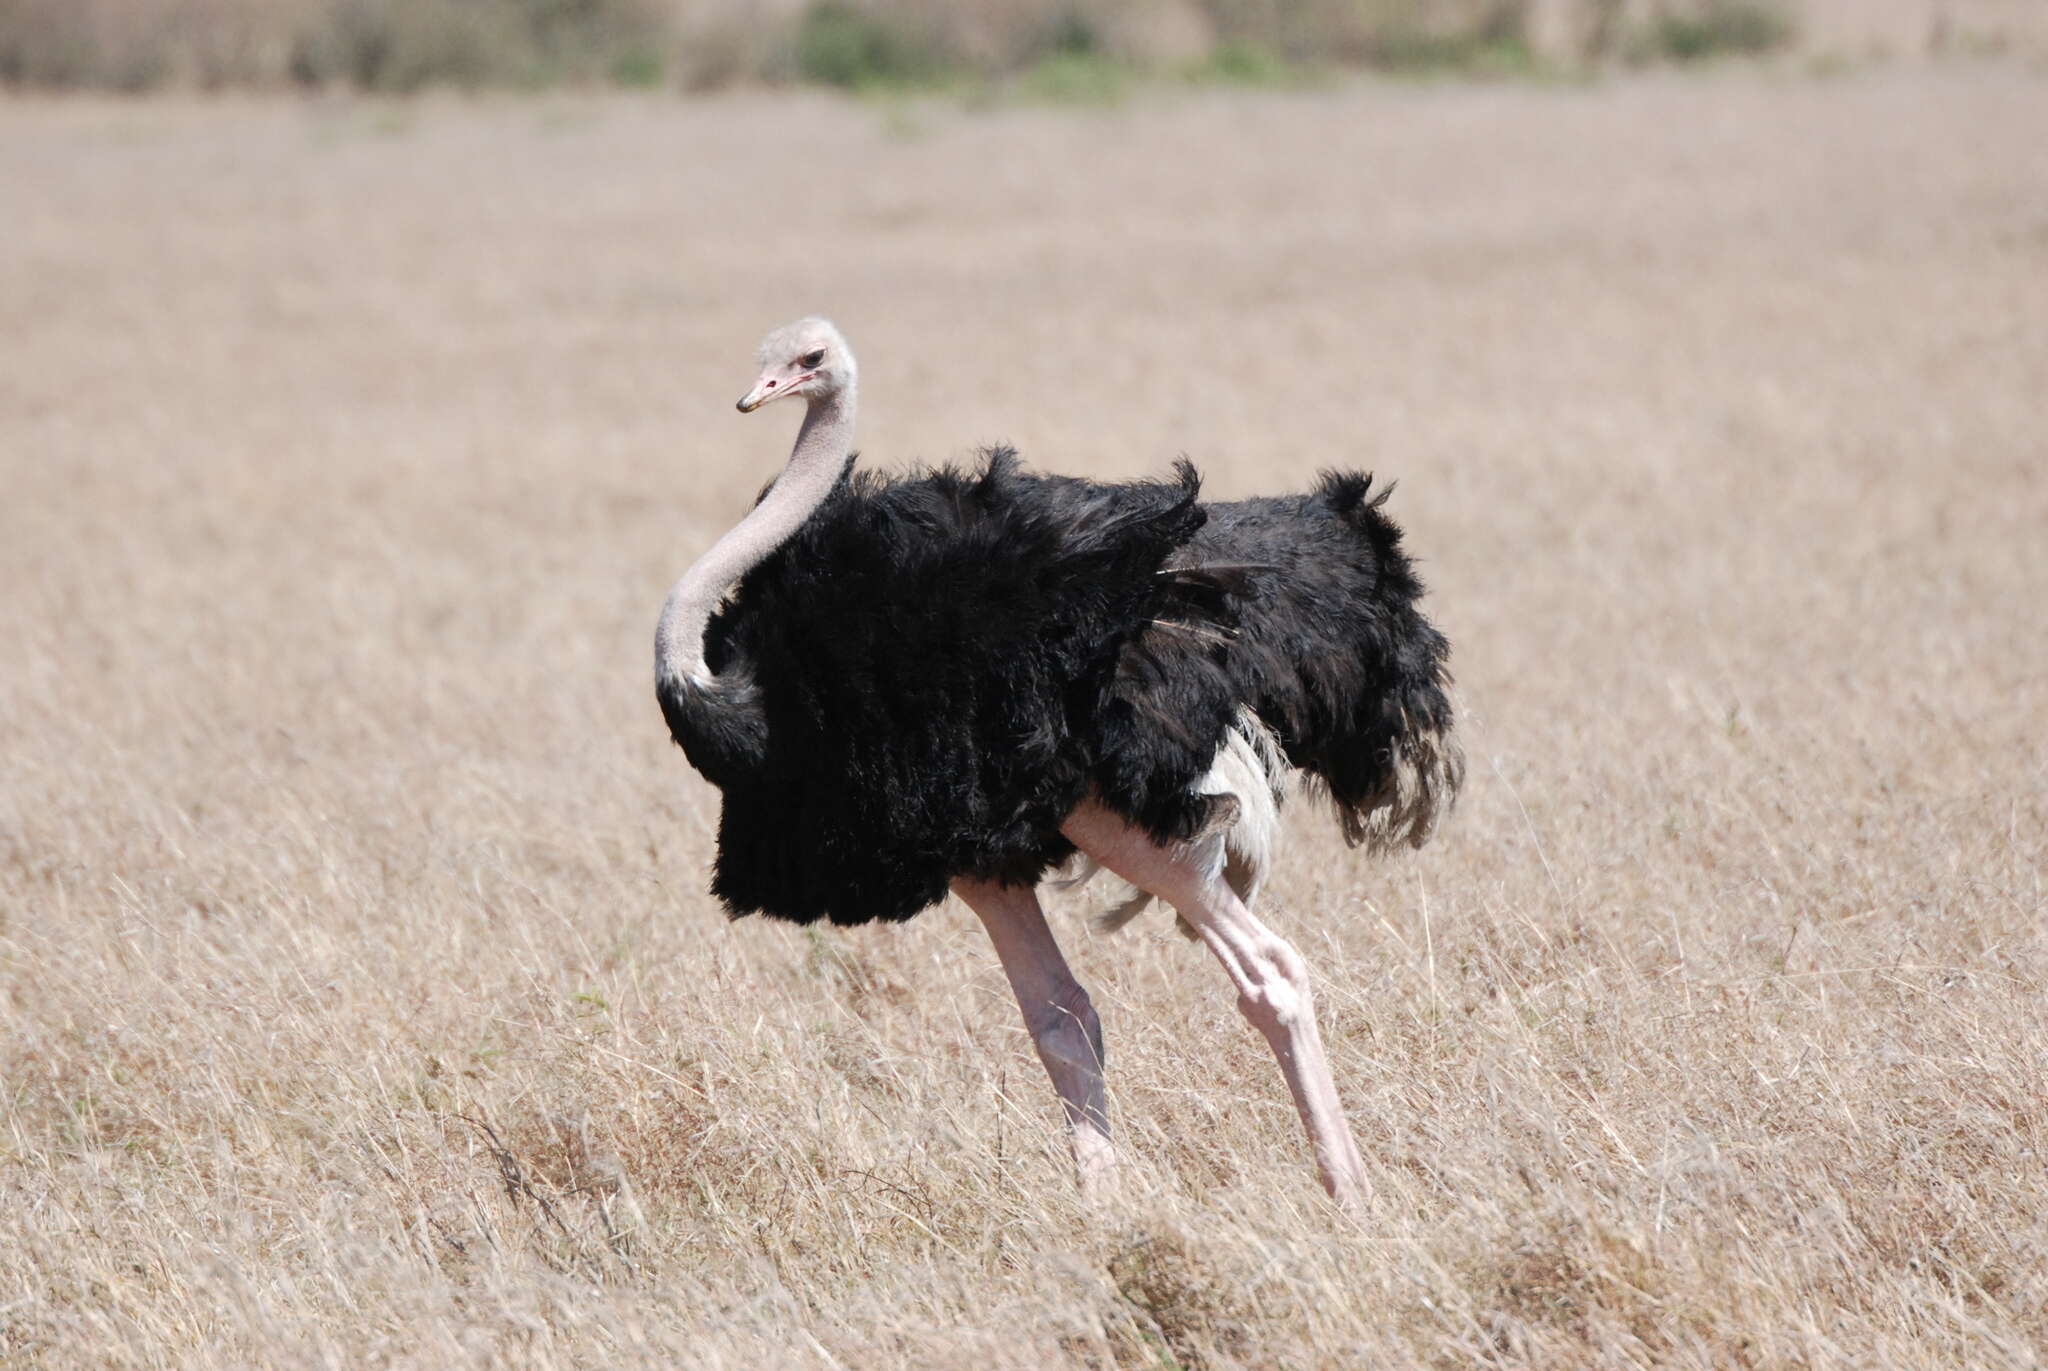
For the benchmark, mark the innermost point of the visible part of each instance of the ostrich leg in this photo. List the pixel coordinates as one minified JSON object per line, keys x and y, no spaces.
{"x":1271,"y":978}
{"x":1058,"y":1014}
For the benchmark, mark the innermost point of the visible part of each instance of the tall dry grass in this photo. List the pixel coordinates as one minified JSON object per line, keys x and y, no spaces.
{"x":363,"y":1003}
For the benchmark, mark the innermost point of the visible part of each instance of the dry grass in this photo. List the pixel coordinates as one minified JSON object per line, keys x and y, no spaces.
{"x":363,"y":1003}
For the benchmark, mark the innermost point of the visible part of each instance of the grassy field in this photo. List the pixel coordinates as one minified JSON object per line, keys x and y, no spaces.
{"x":363,"y":1006}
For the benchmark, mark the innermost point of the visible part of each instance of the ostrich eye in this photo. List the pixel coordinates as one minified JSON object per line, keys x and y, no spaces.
{"x":811,"y":359}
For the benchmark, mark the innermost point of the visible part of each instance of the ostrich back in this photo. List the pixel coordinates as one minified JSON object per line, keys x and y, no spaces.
{"x":940,"y":667}
{"x":1331,"y":650}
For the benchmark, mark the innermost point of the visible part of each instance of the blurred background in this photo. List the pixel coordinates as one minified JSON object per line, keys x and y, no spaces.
{"x":1051,"y":45}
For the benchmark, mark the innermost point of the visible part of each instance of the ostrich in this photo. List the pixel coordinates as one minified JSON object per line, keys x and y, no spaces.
{"x":966,"y":678}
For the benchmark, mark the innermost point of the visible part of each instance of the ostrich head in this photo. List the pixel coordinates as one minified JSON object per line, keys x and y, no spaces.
{"x":807,"y":358}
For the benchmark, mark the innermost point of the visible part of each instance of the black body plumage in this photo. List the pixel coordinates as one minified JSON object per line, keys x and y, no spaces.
{"x":929,"y":676}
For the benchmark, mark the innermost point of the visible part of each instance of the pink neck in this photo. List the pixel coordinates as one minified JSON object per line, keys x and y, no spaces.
{"x":815,"y":464}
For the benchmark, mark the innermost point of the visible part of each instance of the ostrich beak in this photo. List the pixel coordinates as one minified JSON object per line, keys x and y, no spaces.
{"x":772,"y":387}
{"x":765,"y":389}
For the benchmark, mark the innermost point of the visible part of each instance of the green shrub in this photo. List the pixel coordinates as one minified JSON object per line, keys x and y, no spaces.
{"x":1236,"y":62}
{"x":838,"y":46}
{"x":1478,"y":54}
{"x":640,"y":66}
{"x":1075,"y":78}
{"x":1719,"y":28}
{"x":1073,"y":36}
{"x":403,"y":45}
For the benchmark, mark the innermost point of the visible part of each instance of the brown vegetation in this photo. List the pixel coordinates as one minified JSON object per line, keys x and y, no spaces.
{"x":363,"y":1004}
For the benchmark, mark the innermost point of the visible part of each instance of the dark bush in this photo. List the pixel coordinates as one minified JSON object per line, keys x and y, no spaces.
{"x":1720,"y":28}
{"x":839,"y":46}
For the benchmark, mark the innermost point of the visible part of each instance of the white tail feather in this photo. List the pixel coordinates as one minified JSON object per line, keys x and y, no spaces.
{"x":1250,"y":777}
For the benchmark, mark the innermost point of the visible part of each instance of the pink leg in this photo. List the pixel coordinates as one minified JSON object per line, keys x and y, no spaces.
{"x":1058,"y":1014}
{"x":1271,"y":979}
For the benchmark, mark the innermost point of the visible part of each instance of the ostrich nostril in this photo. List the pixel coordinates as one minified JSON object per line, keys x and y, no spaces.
{"x":771,"y":385}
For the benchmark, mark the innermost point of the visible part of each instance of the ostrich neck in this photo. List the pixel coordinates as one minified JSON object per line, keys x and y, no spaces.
{"x":814,"y":469}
